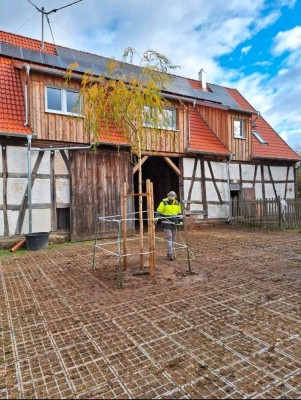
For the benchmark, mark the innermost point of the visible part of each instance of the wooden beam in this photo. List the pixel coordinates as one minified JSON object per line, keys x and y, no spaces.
{"x":172,"y":165}
{"x":271,"y":178}
{"x":286,"y":181}
{"x":142,"y":161}
{"x":24,"y":202}
{"x":53,"y":192}
{"x":4,"y":187}
{"x":214,"y":183}
{"x":203,"y":184}
{"x":66,"y":160}
{"x":254,"y":178}
{"x":192,"y":182}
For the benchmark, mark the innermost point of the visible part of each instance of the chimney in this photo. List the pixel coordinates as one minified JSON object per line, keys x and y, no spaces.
{"x":202,"y":79}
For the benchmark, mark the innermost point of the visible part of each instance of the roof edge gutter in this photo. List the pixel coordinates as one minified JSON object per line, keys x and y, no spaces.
{"x":189,"y":150}
{"x":254,"y":157}
{"x":27,"y":67}
{"x":51,"y":71}
{"x":18,"y":135}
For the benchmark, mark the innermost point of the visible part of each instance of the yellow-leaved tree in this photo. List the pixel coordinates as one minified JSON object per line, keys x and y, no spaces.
{"x":127,"y":97}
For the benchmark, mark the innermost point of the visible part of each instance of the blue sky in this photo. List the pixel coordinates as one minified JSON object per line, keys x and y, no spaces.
{"x":254,"y":46}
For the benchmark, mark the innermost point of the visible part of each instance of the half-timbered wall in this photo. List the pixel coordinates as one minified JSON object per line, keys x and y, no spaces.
{"x":206,"y":182}
{"x":50,"y":190}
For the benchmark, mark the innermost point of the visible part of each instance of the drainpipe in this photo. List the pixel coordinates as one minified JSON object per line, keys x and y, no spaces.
{"x":229,"y":191}
{"x":29,"y":200}
{"x":27,"y":67}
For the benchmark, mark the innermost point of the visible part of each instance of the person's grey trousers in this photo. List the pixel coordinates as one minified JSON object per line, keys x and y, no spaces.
{"x":170,"y":235}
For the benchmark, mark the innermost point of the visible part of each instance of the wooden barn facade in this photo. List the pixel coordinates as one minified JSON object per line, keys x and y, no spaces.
{"x":51,"y":179}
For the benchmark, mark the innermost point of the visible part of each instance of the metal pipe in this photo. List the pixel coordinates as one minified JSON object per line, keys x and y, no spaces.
{"x":27,"y":67}
{"x":62,"y":148}
{"x":29,"y":199}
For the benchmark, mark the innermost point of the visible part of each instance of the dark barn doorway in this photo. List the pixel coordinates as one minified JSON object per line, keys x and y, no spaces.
{"x":164,"y":179}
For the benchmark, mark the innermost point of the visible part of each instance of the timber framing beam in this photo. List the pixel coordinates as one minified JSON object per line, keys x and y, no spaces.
{"x":142,"y":161}
{"x":172,"y":165}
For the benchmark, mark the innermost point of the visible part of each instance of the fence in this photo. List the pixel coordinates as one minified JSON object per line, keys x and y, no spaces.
{"x":269,"y":213}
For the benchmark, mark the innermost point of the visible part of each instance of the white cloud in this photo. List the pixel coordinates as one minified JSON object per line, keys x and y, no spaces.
{"x":287,"y":41}
{"x":246,"y":49}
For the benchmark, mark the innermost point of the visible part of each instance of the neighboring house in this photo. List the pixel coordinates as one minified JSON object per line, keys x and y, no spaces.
{"x":216,"y":147}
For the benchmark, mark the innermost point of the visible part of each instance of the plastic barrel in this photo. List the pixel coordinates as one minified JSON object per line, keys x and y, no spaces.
{"x":37,"y":241}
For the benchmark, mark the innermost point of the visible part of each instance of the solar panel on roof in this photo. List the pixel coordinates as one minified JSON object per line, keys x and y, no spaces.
{"x":31,"y":55}
{"x":50,"y":59}
{"x":11,"y":51}
{"x":66,"y":62}
{"x":65,"y":52}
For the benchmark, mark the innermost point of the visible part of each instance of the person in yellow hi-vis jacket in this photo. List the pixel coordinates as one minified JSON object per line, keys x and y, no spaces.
{"x":169,"y":211}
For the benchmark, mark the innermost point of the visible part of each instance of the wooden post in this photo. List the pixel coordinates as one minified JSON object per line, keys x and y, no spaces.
{"x":124,"y":225}
{"x":152,"y":229}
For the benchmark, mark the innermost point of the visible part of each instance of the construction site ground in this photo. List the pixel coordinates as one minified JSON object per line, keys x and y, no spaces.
{"x":230,"y":330}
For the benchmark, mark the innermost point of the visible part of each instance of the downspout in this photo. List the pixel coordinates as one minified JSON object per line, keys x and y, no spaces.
{"x":29,"y":199}
{"x":27,"y":67}
{"x":229,"y":191}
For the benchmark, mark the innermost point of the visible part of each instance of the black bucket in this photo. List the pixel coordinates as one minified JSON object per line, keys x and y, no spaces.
{"x":37,"y":241}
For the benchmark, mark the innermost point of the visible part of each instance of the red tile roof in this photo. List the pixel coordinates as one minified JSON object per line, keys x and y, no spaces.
{"x":276,"y":147}
{"x":27,"y":43}
{"x":197,"y":84}
{"x":12,"y":114}
{"x":111,"y":134}
{"x":202,"y":137}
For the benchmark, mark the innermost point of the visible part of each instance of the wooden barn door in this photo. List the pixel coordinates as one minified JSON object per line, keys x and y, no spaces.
{"x":96,"y":181}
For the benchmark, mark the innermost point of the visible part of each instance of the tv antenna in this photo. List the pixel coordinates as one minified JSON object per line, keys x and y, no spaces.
{"x":46,"y":13}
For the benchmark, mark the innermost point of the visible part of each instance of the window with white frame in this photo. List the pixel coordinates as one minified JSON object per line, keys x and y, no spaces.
{"x":62,"y":101}
{"x":165,"y":120}
{"x":239,"y":128}
{"x":259,"y":137}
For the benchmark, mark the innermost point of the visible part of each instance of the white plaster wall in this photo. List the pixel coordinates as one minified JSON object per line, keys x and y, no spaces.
{"x":246,"y":185}
{"x":290,"y":191}
{"x":17,"y":159}
{"x":41,"y":191}
{"x":1,"y":223}
{"x":188,"y":164}
{"x":258,"y":191}
{"x":269,"y":191}
{"x":224,"y":190}
{"x":12,"y":218}
{"x":62,"y":191}
{"x":218,"y":211}
{"x":41,"y":221}
{"x":278,"y":173}
{"x":60,"y":166}
{"x":196,"y":191}
{"x":219,"y":170}
{"x":15,"y":190}
{"x":44,"y":167}
{"x":234,"y":171}
{"x":247,"y":172}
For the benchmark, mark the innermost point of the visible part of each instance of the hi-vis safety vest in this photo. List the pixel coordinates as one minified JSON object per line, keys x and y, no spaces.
{"x":165,"y":208}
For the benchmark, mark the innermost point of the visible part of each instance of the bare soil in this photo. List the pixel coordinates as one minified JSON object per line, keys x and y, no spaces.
{"x":229,"y":330}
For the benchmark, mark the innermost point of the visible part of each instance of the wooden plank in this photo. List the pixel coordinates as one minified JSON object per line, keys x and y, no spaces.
{"x":203,"y":184}
{"x":172,"y":165}
{"x":53,"y":192}
{"x":24,"y":201}
{"x":142,"y":161}
{"x":286,"y":181}
{"x":272,"y":180}
{"x":4,"y":189}
{"x":124,"y":224}
{"x":66,"y":160}
{"x":214,"y":183}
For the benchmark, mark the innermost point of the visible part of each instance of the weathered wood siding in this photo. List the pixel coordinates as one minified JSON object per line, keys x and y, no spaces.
{"x":168,"y":141}
{"x":217,"y":119}
{"x":50,"y":126}
{"x":96,"y":182}
{"x":241,"y":148}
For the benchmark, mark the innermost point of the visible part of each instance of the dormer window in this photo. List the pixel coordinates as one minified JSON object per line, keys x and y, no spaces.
{"x":62,"y":101}
{"x":259,"y":137}
{"x":239,"y":128}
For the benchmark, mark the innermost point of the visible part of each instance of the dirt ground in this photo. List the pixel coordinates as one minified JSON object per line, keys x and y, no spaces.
{"x":229,"y":330}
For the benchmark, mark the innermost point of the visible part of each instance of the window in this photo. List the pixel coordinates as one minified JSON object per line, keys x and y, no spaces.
{"x":62,"y":101}
{"x":166,"y":120}
{"x":239,"y":128}
{"x":259,"y":137}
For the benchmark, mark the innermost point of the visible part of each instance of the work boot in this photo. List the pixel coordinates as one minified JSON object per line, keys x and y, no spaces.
{"x":170,"y":257}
